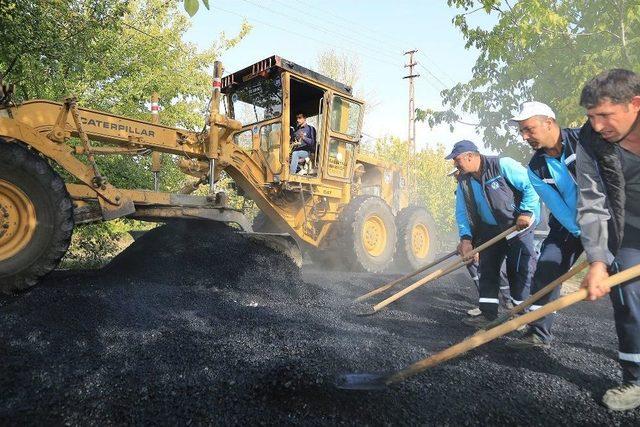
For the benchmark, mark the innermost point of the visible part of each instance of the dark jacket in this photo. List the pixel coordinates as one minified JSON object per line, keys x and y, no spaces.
{"x":307,"y":135}
{"x":505,"y":199}
{"x":602,"y":198}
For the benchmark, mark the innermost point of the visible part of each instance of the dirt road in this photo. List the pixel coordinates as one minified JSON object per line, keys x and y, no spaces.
{"x":185,"y":328}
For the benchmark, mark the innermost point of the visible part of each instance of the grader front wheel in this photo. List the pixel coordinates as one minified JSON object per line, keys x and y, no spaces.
{"x":416,"y":238}
{"x":367,"y":235}
{"x":36,"y":218}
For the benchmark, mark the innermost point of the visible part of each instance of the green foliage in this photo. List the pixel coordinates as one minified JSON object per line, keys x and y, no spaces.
{"x":111,"y":54}
{"x":538,"y":50}
{"x":45,"y":45}
{"x":94,"y":244}
{"x":192,"y":6}
{"x":435,"y":189}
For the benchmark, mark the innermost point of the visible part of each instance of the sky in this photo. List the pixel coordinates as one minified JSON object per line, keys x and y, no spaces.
{"x":377,"y":32}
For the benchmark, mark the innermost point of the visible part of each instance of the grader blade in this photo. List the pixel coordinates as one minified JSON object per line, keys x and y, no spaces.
{"x":281,"y":242}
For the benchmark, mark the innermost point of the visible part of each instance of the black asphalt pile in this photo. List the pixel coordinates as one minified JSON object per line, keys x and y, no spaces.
{"x":208,"y":254}
{"x":194,"y":324}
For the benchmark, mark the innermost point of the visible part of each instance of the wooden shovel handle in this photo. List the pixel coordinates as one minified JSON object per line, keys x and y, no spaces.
{"x":405,"y":277}
{"x":445,"y":270}
{"x":535,"y":297}
{"x":484,"y":337}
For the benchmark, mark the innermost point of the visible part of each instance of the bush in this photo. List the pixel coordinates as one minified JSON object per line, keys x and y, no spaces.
{"x":434,"y":189}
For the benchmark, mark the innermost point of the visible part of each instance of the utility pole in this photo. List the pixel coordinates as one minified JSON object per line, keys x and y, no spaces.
{"x":411,"y":176}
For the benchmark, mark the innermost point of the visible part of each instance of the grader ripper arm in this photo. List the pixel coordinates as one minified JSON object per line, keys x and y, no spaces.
{"x":345,"y":206}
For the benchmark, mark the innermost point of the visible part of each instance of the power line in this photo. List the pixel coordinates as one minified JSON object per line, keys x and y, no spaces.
{"x":364,"y":44}
{"x":398,"y":44}
{"x":376,"y":40}
{"x":444,"y":85}
{"x":375,"y":48}
{"x":305,"y":36}
{"x":397,"y":49}
{"x":353,"y":23}
{"x":435,"y":64}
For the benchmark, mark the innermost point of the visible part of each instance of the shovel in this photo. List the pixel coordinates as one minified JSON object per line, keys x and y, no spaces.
{"x":372,"y":381}
{"x":442,"y":271}
{"x":406,"y":276}
{"x":535,"y":297}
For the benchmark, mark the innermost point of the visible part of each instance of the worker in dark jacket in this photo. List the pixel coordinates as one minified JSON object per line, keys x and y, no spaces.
{"x":494,"y":194}
{"x":608,"y":175}
{"x":552,"y":172}
{"x":304,"y":142}
{"x":474,"y":271}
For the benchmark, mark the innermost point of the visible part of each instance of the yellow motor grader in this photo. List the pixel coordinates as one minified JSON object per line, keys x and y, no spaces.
{"x":348,"y":206}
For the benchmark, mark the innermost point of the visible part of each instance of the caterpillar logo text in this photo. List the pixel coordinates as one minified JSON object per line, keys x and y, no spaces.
{"x":115,"y":126}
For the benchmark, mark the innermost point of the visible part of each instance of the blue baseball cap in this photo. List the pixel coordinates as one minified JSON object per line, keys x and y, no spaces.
{"x":460,"y":147}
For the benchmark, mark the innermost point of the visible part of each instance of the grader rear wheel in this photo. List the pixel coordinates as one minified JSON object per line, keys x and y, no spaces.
{"x":367,"y":235}
{"x":36,"y":218}
{"x":416,"y":238}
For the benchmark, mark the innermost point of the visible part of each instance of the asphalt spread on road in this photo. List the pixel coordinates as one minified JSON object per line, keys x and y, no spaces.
{"x":194,"y":323}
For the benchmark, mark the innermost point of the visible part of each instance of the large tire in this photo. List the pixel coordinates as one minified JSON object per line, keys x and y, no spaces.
{"x":366,"y":235}
{"x":416,"y":238}
{"x":263,"y":224}
{"x":36,"y":218}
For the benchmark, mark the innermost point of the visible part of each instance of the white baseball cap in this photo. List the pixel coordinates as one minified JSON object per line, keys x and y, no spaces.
{"x":531,"y":109}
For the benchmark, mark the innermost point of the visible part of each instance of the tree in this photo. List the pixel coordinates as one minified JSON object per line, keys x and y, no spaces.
{"x":43,"y":44}
{"x":345,"y":68}
{"x":112,"y":57}
{"x":538,"y":50}
{"x":192,"y":6}
{"x":339,"y":66}
{"x":99,"y":51}
{"x":435,"y":189}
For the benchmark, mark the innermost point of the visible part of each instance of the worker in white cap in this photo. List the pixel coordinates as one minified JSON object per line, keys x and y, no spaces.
{"x":552,"y":172}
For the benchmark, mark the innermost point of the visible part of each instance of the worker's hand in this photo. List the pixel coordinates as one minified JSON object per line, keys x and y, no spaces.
{"x":464,"y":247}
{"x":523,"y":221}
{"x":596,"y":275}
{"x":476,"y":257}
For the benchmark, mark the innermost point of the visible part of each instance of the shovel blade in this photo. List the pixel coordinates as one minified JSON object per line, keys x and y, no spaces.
{"x":365,"y":381}
{"x":363,"y":310}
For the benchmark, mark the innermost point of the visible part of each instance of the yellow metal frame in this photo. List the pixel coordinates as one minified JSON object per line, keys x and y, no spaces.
{"x":46,"y":126}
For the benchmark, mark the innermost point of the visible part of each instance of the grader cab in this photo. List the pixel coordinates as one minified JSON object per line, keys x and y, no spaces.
{"x":347,"y":206}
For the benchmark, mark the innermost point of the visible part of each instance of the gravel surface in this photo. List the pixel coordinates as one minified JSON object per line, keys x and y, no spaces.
{"x":195,"y":324}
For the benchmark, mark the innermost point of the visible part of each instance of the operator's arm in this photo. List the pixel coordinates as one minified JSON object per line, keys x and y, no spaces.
{"x":464,"y":227}
{"x":593,"y":215}
{"x":517,"y":175}
{"x":555,"y":203}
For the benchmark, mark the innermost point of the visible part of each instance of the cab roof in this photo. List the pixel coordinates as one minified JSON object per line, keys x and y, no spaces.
{"x":276,"y":62}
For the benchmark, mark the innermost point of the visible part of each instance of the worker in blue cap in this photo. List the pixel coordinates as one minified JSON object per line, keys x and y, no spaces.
{"x":474,"y":271}
{"x":494,"y":193}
